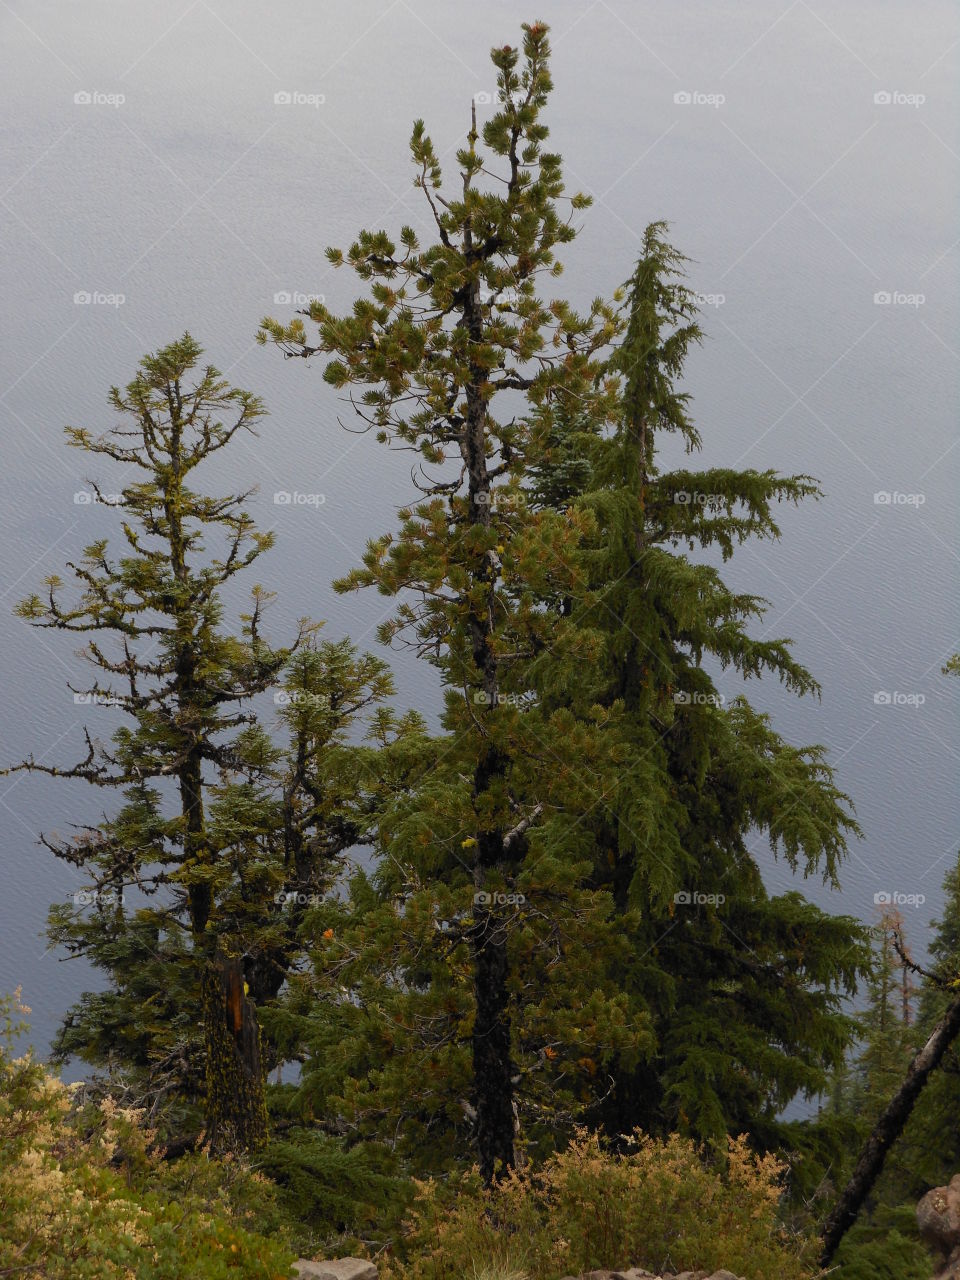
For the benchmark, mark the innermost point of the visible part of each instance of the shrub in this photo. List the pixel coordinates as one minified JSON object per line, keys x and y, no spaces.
{"x":82,"y":1198}
{"x":884,"y":1245}
{"x":660,"y":1205}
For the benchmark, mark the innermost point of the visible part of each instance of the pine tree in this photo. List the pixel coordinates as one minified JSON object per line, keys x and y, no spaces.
{"x":202,"y":877}
{"x":479,"y":905}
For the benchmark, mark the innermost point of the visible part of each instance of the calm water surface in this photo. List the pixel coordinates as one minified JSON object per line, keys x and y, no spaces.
{"x":799,"y":195}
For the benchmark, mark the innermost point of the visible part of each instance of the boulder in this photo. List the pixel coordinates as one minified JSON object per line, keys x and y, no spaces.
{"x":336,"y":1269}
{"x":938,"y":1218}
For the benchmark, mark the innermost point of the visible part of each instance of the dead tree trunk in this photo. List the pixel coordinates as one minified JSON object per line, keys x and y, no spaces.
{"x":886,"y":1131}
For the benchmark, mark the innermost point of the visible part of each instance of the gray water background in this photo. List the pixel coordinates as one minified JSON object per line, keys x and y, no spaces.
{"x":799,"y":197}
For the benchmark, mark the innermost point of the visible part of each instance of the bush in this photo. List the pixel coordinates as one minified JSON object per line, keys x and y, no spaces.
{"x":82,"y":1198}
{"x":659,"y":1206}
{"x":884,"y":1246}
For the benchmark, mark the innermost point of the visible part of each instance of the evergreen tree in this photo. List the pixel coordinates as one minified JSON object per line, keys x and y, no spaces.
{"x":478,"y":961}
{"x":887,"y":1043}
{"x":743,"y":990}
{"x":200,"y":880}
{"x":928,"y":1153}
{"x":932,"y":1138}
{"x":921,"y":1110}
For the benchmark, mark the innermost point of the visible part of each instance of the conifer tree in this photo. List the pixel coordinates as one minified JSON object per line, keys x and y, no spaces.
{"x":744,"y":991}
{"x":910,"y":1109}
{"x":885,"y":1033}
{"x":201,"y":878}
{"x":932,"y":1139}
{"x":928,"y":1152}
{"x":480,"y":902}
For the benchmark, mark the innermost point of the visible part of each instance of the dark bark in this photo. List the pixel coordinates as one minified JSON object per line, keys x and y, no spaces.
{"x":492,"y":1069}
{"x":236,"y":1111}
{"x":886,"y":1131}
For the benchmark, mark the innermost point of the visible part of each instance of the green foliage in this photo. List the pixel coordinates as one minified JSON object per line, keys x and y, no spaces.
{"x":886,"y":1248}
{"x":82,"y":1197}
{"x":928,"y":1152}
{"x":224,"y":836}
{"x":334,"y":1191}
{"x":658,"y":1205}
{"x":474,"y":966}
{"x":744,"y":993}
{"x":931,"y":1141}
{"x":546,"y":575}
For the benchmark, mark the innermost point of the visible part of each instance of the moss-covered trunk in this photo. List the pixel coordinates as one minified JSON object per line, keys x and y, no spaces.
{"x":236,"y":1109}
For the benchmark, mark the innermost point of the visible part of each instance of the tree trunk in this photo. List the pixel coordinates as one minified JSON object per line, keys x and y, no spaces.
{"x":492,"y":1065}
{"x":492,"y":1068}
{"x":886,"y":1131}
{"x":236,"y":1109}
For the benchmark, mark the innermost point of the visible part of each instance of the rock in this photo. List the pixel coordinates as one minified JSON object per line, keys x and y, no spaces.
{"x":938,"y":1218}
{"x":638,"y":1273}
{"x":336,"y":1269}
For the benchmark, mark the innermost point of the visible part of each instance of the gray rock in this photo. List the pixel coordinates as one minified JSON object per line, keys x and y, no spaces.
{"x":336,"y":1269}
{"x":938,"y":1218}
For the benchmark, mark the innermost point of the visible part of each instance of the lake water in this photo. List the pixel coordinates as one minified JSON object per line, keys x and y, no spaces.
{"x":807,"y":160}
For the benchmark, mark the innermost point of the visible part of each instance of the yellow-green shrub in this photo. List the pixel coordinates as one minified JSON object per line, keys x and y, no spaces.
{"x":69,"y":1211}
{"x":660,"y":1206}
